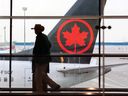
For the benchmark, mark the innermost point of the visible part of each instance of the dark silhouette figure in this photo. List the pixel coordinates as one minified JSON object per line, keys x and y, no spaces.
{"x":40,"y":62}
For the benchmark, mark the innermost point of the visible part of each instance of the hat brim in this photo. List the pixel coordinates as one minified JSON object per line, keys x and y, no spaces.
{"x":32,"y":28}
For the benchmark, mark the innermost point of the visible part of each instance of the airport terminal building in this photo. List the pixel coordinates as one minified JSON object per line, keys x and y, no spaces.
{"x":89,"y":46}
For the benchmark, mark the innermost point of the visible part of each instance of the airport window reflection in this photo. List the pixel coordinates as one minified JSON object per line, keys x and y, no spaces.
{"x":69,"y":37}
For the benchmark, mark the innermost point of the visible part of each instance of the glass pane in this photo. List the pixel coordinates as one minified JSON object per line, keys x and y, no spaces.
{"x":55,"y":8}
{"x":4,"y":37}
{"x":118,"y":30}
{"x":116,"y":7}
{"x":4,"y":7}
{"x":116,"y":43}
{"x":21,"y":74}
{"x":116,"y":75}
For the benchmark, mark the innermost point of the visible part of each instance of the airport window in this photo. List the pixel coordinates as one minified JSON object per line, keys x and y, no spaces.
{"x":83,"y":40}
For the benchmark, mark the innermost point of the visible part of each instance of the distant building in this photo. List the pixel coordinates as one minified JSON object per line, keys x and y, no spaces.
{"x":112,"y":47}
{"x":5,"y":47}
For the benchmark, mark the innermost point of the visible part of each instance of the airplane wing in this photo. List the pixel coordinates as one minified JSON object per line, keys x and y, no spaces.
{"x":87,"y":69}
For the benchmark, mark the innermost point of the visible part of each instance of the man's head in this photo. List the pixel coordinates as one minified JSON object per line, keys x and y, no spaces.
{"x":38,"y":28}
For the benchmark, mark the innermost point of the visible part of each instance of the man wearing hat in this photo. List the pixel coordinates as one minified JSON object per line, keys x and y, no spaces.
{"x":40,"y":61}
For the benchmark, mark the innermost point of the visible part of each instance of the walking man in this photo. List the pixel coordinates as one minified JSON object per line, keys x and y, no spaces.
{"x":40,"y":62}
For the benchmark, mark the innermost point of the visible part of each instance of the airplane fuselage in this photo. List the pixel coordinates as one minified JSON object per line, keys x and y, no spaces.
{"x":22,"y":74}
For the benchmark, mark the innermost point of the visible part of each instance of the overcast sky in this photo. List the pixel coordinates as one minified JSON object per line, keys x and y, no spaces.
{"x":118,"y":33}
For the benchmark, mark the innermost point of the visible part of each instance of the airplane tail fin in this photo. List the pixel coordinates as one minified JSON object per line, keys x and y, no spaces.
{"x":76,"y":36}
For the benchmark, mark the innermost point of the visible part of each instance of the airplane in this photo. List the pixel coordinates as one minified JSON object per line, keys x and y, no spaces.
{"x":72,"y":70}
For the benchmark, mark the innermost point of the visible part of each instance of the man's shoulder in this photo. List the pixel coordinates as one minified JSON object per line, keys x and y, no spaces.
{"x":43,"y":35}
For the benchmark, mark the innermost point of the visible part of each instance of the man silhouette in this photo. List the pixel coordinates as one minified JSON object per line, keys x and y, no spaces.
{"x":40,"y":62}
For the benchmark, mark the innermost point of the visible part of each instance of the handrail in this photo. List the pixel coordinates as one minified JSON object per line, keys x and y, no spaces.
{"x":67,"y":55}
{"x":65,"y":92}
{"x":71,"y":89}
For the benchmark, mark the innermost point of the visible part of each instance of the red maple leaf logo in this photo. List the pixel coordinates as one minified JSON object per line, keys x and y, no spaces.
{"x":75,"y":37}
